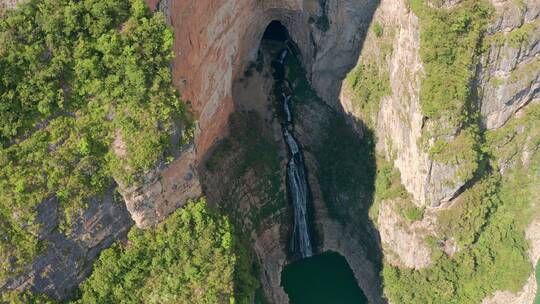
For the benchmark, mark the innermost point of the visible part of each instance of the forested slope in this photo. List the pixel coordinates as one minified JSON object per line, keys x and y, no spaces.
{"x":85,"y":97}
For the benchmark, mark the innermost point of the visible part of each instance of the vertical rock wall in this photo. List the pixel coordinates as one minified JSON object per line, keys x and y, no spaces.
{"x":69,"y":256}
{"x":509,"y":76}
{"x":214,"y":43}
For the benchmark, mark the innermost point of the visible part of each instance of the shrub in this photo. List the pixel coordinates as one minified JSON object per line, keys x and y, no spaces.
{"x":192,"y":257}
{"x":377,"y":29}
{"x":76,"y":75}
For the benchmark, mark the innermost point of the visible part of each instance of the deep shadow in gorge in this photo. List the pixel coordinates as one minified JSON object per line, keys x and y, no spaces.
{"x":250,"y":168}
{"x":343,"y":152}
{"x":344,"y":167}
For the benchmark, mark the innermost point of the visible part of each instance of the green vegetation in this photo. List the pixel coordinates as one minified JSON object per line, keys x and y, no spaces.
{"x":514,"y":38}
{"x":75,"y":76}
{"x":449,"y":47}
{"x":192,"y":257}
{"x":369,"y":83}
{"x":450,"y":44}
{"x":488,"y":237}
{"x":488,"y":219}
{"x":388,"y":181}
{"x":387,"y":186}
{"x":378,"y":29}
{"x":465,"y":150}
{"x":25,"y":297}
{"x":487,"y":222}
{"x":413,"y":213}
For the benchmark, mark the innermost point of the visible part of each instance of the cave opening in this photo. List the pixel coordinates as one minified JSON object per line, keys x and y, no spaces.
{"x":275,"y":104}
{"x":276,"y":31}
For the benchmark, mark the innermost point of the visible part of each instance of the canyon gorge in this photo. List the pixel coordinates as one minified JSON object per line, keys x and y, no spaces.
{"x":312,"y":133}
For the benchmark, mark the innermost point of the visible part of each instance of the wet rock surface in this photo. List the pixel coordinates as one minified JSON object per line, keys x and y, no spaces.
{"x":296,"y":171}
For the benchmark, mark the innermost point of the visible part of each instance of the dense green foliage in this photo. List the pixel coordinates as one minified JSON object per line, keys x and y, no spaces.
{"x":388,"y":181}
{"x":488,"y":237}
{"x":387,"y":186}
{"x":75,"y":76}
{"x":192,"y":257}
{"x":450,"y":44}
{"x":369,"y":83}
{"x":487,"y":222}
{"x":24,"y":297}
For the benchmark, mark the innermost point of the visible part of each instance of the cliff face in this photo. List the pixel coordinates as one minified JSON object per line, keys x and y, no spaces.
{"x":507,"y":81}
{"x":216,"y":40}
{"x":214,"y":43}
{"x":68,"y":259}
{"x":509,"y":75}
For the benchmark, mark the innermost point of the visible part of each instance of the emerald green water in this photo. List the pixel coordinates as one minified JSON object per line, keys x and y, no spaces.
{"x":537,"y":298}
{"x":322,"y":279}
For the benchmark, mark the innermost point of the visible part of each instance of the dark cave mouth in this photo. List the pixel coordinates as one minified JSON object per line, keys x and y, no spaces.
{"x":276,"y":31}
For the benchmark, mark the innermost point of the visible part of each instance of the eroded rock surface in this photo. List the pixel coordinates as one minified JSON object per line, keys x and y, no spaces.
{"x":164,"y":190}
{"x":214,"y":43}
{"x":68,"y":258}
{"x":404,"y":243}
{"x":509,"y":75}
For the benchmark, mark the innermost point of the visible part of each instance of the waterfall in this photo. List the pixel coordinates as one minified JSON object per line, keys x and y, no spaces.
{"x":296,"y":172}
{"x":287,"y":108}
{"x":299,"y":192}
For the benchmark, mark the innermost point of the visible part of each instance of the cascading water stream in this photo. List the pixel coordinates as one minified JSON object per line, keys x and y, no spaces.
{"x":296,"y":172}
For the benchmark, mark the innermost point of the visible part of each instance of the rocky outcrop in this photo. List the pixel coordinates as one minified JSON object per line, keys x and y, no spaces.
{"x":164,"y":190}
{"x":404,"y":243}
{"x":509,"y":75}
{"x":8,"y":4}
{"x":214,"y":43}
{"x":508,"y":79}
{"x":68,"y":257}
{"x":399,"y":123}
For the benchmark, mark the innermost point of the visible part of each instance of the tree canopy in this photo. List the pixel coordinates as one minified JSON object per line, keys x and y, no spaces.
{"x":78,"y":80}
{"x":192,"y":257}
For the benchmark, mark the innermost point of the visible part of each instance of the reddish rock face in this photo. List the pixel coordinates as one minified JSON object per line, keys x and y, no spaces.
{"x":214,"y":41}
{"x":152,"y":4}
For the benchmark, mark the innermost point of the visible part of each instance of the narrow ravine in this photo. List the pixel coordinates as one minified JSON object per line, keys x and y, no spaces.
{"x":296,"y":171}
